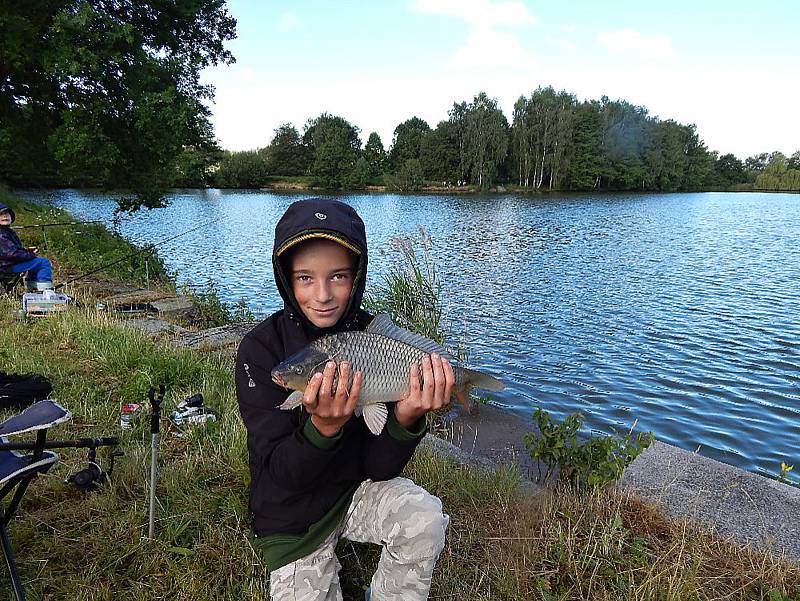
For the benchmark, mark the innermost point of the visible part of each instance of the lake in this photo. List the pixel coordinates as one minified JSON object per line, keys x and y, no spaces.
{"x":680,"y":311}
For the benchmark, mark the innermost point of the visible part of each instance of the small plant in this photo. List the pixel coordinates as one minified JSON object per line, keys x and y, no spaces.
{"x":592,"y":463}
{"x":212,"y":311}
{"x":784,"y":477}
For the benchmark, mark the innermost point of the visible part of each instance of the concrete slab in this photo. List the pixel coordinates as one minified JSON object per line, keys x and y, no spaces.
{"x":750,"y":508}
{"x":176,"y":306}
{"x":153,"y":326}
{"x":214,"y":338}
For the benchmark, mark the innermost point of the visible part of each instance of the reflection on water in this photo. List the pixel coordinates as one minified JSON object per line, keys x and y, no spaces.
{"x":679,"y":311}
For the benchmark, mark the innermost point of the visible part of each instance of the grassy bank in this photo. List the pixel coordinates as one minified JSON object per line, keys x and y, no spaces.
{"x":75,"y":250}
{"x":500,"y":544}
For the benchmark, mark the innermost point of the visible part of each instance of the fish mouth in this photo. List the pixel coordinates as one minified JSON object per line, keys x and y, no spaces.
{"x":278,"y":380}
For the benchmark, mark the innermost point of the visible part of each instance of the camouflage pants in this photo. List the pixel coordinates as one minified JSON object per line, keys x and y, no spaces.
{"x":403,"y":518}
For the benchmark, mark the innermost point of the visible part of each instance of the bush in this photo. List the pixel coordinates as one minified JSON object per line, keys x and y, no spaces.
{"x":592,"y":463}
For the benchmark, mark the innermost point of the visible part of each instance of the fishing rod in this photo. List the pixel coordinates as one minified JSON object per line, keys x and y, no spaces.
{"x":24,"y":227}
{"x":148,"y":248}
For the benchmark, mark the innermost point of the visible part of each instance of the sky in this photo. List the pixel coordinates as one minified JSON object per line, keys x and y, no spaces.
{"x":731,"y":68}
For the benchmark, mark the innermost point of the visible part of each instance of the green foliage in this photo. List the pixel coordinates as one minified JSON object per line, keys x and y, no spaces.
{"x":778,"y":175}
{"x":406,"y":143}
{"x":358,"y":177}
{"x":195,"y":166}
{"x":107,"y":94}
{"x":375,"y":155}
{"x":591,"y":463}
{"x":334,"y":145}
{"x":439,"y":154}
{"x":407,"y":178}
{"x":246,"y":169}
{"x":485,"y":140}
{"x":410,"y":292}
{"x":211,"y":310}
{"x":286,"y":154}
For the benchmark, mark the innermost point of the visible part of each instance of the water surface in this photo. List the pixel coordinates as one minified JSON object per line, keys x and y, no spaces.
{"x":677,"y":310}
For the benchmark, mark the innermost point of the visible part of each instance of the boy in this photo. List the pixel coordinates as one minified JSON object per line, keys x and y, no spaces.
{"x":317,"y":473}
{"x":15,"y":258}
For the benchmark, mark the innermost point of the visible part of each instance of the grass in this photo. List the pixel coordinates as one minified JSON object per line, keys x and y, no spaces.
{"x":500,"y":545}
{"x":75,"y":250}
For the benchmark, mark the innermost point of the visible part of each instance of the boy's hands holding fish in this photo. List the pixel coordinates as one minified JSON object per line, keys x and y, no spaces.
{"x":331,"y":408}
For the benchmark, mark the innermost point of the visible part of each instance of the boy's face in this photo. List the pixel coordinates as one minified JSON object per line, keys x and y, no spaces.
{"x":5,"y":218}
{"x":322,"y":274}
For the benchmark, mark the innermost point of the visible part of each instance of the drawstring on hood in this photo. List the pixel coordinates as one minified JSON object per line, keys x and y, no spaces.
{"x":320,"y":218}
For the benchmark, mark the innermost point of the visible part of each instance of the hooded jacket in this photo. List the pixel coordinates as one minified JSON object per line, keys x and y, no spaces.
{"x":11,"y":249}
{"x":301,"y":482}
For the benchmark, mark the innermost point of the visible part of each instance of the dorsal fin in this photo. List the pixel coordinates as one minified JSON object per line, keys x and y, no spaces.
{"x":382,"y":324}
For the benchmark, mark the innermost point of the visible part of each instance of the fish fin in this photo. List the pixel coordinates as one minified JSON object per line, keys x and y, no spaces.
{"x":462,"y":394}
{"x":293,"y":400}
{"x":481,"y":380}
{"x":375,"y":416}
{"x":382,"y":324}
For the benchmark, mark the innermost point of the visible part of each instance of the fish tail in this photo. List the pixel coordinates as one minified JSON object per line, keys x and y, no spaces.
{"x":481,"y":380}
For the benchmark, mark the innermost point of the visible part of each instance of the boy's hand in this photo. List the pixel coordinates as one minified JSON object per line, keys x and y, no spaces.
{"x":330,"y":409}
{"x":437,"y":386}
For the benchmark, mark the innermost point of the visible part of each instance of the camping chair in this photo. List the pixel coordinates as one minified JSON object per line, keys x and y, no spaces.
{"x":17,"y":470}
{"x":9,"y":281}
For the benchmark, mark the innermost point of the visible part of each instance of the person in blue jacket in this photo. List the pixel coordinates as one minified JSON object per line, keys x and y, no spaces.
{"x":16,"y":258}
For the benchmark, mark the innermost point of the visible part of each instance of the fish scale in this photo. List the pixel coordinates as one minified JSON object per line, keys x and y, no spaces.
{"x":384,"y":354}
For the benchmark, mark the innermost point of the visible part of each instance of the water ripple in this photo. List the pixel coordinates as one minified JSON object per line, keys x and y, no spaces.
{"x":676,"y":310}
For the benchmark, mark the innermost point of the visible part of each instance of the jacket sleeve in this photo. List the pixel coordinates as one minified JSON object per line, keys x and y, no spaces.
{"x":388,"y":453}
{"x":278,"y":441}
{"x":11,"y":250}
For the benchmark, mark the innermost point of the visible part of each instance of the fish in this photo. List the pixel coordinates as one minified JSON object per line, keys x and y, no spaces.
{"x":383,"y":353}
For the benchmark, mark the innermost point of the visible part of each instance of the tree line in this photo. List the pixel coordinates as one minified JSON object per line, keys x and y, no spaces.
{"x":554,"y":142}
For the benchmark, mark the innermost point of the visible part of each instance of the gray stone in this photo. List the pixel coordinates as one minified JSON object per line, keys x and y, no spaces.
{"x":731,"y":502}
{"x":177,"y":306}
{"x":153,"y":326}
{"x":214,"y":338}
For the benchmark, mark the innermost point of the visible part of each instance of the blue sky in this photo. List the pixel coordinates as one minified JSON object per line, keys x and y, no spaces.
{"x":732,"y":68}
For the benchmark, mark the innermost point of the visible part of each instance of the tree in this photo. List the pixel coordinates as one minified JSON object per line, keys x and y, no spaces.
{"x":729,"y":170}
{"x":406,"y":143}
{"x":335,"y":146}
{"x":194,"y":167}
{"x":241,"y":170}
{"x":375,"y":156}
{"x":286,"y":154}
{"x":107,"y":93}
{"x":439,"y":153}
{"x":485,"y":139}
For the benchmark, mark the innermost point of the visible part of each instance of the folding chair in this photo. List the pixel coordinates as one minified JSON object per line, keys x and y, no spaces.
{"x":17,"y":470}
{"x":9,"y":281}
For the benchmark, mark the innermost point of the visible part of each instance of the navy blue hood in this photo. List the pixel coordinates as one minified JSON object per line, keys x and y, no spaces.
{"x":320,"y":218}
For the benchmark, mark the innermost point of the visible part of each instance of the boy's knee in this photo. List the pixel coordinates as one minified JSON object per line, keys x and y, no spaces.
{"x":419,"y":529}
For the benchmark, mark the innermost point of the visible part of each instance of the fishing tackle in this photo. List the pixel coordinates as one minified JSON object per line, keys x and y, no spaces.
{"x":155,"y":427}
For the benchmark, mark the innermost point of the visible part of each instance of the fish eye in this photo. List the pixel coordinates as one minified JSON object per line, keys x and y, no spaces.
{"x":297,"y":369}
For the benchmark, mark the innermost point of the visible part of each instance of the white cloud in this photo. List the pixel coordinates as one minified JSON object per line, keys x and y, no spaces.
{"x":288,"y":21}
{"x":562,"y":44}
{"x":480,"y":13}
{"x":568,"y":28}
{"x":487,"y":48}
{"x":627,"y":40}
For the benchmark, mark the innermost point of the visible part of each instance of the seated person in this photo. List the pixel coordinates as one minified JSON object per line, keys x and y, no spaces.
{"x":15,"y":258}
